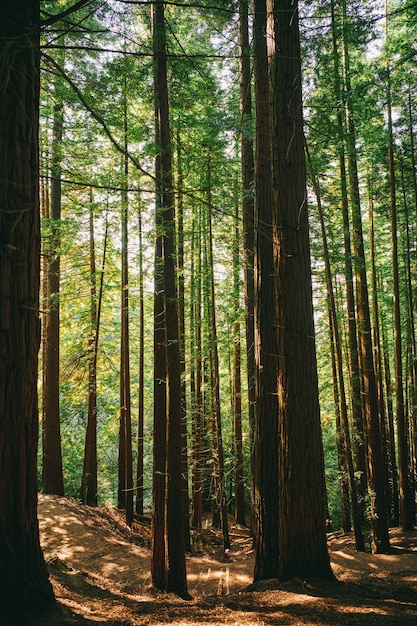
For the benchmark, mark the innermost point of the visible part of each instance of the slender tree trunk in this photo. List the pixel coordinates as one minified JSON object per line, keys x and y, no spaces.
{"x":266,"y":407}
{"x":141,"y":386}
{"x":237,"y":386}
{"x":342,"y":465}
{"x":158,"y":560}
{"x":88,"y":491}
{"x":158,"y":547}
{"x":395,"y":515}
{"x":45,"y":212}
{"x":357,"y":417}
{"x":343,"y":434}
{"x":412,"y":348}
{"x":376,"y":485}
{"x":406,"y":495}
{"x":196,"y":377}
{"x":218,"y":453}
{"x":181,"y":327}
{"x":377,"y":356}
{"x":52,"y":474}
{"x":248,"y":220}
{"x":414,"y":175}
{"x":210,"y":475}
{"x":125,"y":485}
{"x":176,"y":575}
{"x":24,"y":584}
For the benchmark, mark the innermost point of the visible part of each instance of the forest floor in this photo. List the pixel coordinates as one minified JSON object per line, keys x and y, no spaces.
{"x":99,"y":569}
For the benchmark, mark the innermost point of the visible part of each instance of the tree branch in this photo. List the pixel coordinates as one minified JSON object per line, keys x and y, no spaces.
{"x":97,"y":117}
{"x":56,"y":18}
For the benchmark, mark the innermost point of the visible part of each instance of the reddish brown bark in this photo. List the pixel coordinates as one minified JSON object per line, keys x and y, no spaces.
{"x":266,"y":408}
{"x":24,"y":584}
{"x":302,"y":499}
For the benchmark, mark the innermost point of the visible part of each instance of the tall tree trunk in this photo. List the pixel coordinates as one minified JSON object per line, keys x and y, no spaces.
{"x":392,"y":456}
{"x":342,"y":421}
{"x":342,"y":462}
{"x":141,"y":386}
{"x":389,"y":481}
{"x":158,"y":560}
{"x":125,"y":484}
{"x":237,"y":384}
{"x":158,"y":547}
{"x":302,"y":492}
{"x":24,"y":585}
{"x":218,"y":453}
{"x":181,"y":328}
{"x":266,"y":351}
{"x":412,"y":350}
{"x":88,"y":491}
{"x":355,"y":384}
{"x":248,"y":219}
{"x":375,"y":473}
{"x":52,"y":474}
{"x":407,"y":516}
{"x":176,"y":575}
{"x":196,"y":376}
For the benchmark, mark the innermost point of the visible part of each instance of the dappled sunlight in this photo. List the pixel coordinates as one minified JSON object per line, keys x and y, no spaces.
{"x":345,"y":558}
{"x":100,"y":570}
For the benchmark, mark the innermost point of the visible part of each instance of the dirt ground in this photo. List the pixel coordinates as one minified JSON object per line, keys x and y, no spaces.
{"x":100,"y":572}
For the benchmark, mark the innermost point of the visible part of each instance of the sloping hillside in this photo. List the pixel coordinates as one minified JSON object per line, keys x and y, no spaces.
{"x":100,"y":572}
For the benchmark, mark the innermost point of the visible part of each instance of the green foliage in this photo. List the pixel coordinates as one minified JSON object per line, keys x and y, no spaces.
{"x":103,"y":53}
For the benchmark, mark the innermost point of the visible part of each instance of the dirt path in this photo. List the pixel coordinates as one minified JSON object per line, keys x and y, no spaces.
{"x":100,"y":572}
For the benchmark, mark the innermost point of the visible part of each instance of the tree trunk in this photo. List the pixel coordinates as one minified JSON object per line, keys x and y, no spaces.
{"x":237,"y":386}
{"x":342,"y":419}
{"x":52,"y":474}
{"x":248,"y":220}
{"x":412,"y":350}
{"x":181,"y":330}
{"x":125,"y":484}
{"x":158,"y":559}
{"x":375,"y":473}
{"x":406,"y":495}
{"x":357,"y":417}
{"x":141,"y":386}
{"x":220,"y":506}
{"x":24,"y":584}
{"x":176,"y":575}
{"x":88,"y":491}
{"x":266,"y":407}
{"x":377,"y":356}
{"x":158,"y":547}
{"x":302,"y":515}
{"x":196,"y":377}
{"x":392,"y":456}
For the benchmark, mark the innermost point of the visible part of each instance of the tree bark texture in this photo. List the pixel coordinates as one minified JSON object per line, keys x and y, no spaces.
{"x":375,"y":470}
{"x":302,"y":498}
{"x":357,"y":416}
{"x":177,"y":577}
{"x":266,"y":408}
{"x":52,"y":474}
{"x":248,"y":217}
{"x":24,"y":581}
{"x":407,"y":498}
{"x":125,"y":466}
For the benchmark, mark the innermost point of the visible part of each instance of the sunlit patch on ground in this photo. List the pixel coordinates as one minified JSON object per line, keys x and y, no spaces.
{"x":100,"y":570}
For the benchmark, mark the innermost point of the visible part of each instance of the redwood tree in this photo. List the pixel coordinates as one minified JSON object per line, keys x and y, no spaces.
{"x":52,"y":473}
{"x":24,"y":581}
{"x":302,"y":512}
{"x":176,"y":580}
{"x":266,"y":407}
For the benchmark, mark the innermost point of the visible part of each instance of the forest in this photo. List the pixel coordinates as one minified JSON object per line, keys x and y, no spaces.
{"x":208,"y":254}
